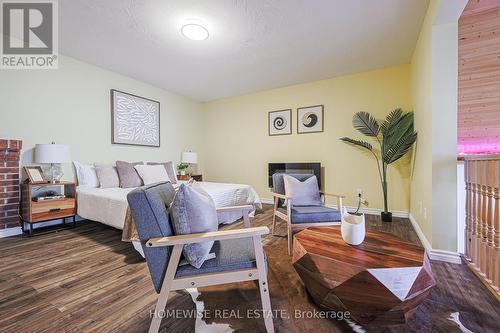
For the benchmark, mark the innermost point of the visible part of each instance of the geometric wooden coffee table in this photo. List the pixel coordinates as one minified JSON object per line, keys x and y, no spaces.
{"x":383,"y":280}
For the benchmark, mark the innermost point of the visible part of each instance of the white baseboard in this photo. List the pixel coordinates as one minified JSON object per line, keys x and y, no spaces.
{"x":365,"y":210}
{"x":17,"y":230}
{"x":10,"y":232}
{"x":434,"y":254}
{"x":420,"y":234}
{"x":446,"y":256}
{"x":267,"y":201}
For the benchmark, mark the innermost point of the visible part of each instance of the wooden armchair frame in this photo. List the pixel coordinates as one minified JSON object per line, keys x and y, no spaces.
{"x":291,"y":227}
{"x":171,"y":283}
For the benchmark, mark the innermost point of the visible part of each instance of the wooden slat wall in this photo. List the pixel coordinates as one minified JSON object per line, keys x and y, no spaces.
{"x":479,"y":74}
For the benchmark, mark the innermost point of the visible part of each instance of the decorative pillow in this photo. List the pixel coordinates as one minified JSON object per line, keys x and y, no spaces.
{"x":193,"y":211}
{"x":107,"y":175}
{"x":86,"y":175}
{"x":127,"y":174}
{"x":304,"y":193}
{"x":151,"y":174}
{"x":169,"y":166}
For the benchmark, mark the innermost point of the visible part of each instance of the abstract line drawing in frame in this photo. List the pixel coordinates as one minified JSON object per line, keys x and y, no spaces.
{"x":280,"y":122}
{"x":310,"y":119}
{"x":135,"y":120}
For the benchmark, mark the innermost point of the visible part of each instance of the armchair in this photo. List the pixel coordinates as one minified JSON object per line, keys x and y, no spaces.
{"x":300,"y":217}
{"x":239,"y":253}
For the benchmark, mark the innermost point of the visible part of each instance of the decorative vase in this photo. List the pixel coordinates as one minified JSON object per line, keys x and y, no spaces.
{"x":352,"y":228}
{"x":58,"y":173}
{"x":386,"y":216}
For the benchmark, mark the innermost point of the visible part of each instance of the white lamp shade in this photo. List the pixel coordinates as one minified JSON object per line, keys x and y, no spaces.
{"x":189,"y":157}
{"x":52,"y":153}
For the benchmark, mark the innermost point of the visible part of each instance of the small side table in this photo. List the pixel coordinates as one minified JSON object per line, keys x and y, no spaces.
{"x":42,"y":211}
{"x":198,"y":178}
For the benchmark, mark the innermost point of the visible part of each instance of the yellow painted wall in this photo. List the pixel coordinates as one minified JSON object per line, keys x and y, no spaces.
{"x":421,"y":92}
{"x":237,"y":147}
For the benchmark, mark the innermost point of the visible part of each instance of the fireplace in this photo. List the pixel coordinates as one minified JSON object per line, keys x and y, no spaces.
{"x":314,"y":168}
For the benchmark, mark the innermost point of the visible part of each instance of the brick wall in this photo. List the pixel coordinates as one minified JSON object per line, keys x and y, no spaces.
{"x":10,"y":151}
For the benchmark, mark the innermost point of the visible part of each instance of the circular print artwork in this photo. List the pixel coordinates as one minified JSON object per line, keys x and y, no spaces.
{"x":279,"y":123}
{"x":310,"y":119}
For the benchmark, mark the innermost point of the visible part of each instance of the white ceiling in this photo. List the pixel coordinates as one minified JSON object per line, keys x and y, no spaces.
{"x":253,"y":44}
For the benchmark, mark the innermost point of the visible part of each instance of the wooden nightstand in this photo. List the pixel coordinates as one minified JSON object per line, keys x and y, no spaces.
{"x":41,"y":211}
{"x":198,"y":178}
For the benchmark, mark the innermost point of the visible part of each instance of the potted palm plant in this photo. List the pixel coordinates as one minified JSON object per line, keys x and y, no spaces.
{"x":394,"y":137}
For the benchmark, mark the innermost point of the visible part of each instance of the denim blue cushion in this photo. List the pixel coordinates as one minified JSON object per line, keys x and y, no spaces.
{"x":149,"y":207}
{"x":314,"y":214}
{"x":230,"y":254}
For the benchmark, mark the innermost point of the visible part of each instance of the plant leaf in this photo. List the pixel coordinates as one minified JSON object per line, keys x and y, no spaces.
{"x":391,"y":120}
{"x":366,"y":124}
{"x":398,"y":127}
{"x":400,"y":148}
{"x":358,"y":143}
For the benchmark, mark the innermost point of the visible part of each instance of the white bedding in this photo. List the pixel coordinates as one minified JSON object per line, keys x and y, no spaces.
{"x":109,"y":205}
{"x":105,"y":205}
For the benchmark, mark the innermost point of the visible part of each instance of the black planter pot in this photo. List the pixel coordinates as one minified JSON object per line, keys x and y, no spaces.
{"x":386,"y":216}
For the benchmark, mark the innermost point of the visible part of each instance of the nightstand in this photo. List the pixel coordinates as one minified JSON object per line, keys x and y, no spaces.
{"x":42,"y":211}
{"x":198,"y":178}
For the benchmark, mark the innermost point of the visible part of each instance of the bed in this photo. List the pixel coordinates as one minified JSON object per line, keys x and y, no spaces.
{"x":109,"y":205}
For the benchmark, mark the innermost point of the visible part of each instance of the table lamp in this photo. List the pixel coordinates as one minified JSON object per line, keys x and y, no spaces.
{"x":52,"y":153}
{"x":189,"y":157}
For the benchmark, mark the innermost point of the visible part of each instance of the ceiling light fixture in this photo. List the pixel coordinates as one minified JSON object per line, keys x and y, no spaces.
{"x":194,"y":31}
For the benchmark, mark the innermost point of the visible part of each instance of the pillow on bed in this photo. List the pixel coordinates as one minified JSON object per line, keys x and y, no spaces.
{"x":169,"y":166}
{"x":193,"y":211}
{"x":107,"y":175}
{"x":151,"y":174}
{"x":127,"y":174}
{"x":86,"y":175}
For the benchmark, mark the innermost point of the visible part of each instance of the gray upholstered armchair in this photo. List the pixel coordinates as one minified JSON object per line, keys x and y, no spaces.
{"x":300,"y":217}
{"x":238,"y":253}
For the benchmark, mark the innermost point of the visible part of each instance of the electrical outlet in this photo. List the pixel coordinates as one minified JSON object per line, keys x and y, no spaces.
{"x":359,"y":193}
{"x":425,"y":213}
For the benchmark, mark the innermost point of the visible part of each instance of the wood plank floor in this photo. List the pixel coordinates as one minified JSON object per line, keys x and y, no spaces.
{"x":86,"y":280}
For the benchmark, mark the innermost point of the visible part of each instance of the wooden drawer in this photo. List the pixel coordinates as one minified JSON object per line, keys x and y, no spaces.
{"x":46,"y":210}
{"x":36,"y":217}
{"x":47,"y":206}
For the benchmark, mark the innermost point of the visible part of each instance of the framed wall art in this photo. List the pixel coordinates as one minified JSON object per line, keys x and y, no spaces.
{"x":280,"y":122}
{"x":310,"y":119}
{"x":135,"y":120}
